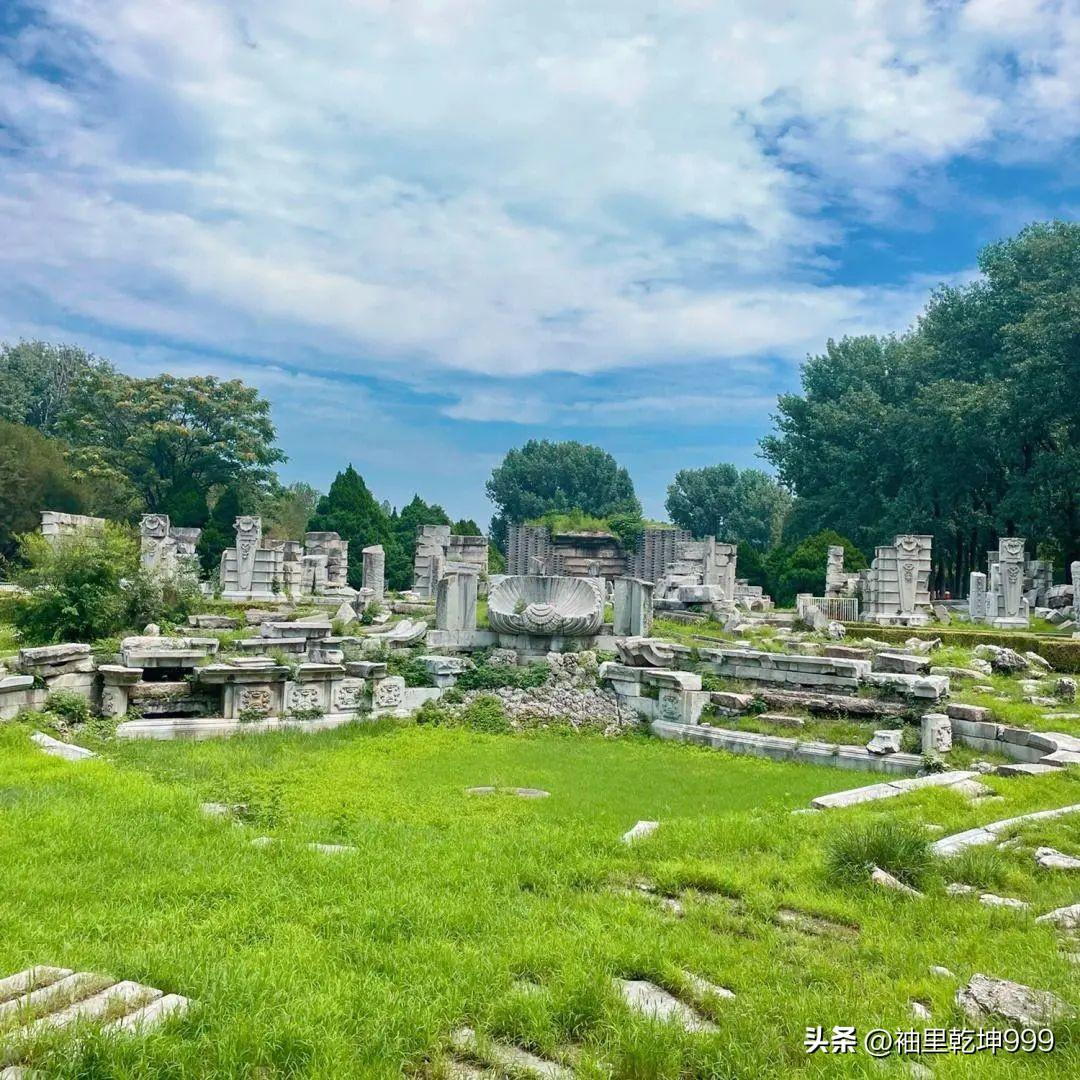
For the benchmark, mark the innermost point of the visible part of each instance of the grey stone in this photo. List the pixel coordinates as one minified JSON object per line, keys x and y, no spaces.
{"x":1002,"y":660}
{"x":936,"y":731}
{"x":986,"y":996}
{"x":993,"y":900}
{"x":511,"y":1059}
{"x":1065,"y":689}
{"x":1022,"y":768}
{"x":650,"y":1000}
{"x":902,"y":663}
{"x":703,"y":988}
{"x":1064,"y":918}
{"x":886,"y":741}
{"x":941,"y":972}
{"x":886,"y":880}
{"x":640,"y":831}
{"x":1052,"y":859}
{"x":55,"y":748}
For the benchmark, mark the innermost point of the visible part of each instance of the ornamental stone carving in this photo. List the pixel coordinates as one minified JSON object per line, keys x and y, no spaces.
{"x":388,"y":693}
{"x":305,"y":697}
{"x":255,"y":699}
{"x":546,"y":606}
{"x":349,"y":695}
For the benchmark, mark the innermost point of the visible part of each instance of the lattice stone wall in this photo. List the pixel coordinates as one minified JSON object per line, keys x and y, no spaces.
{"x":655,"y":549}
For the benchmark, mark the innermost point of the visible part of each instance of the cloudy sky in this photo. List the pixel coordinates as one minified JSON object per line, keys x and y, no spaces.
{"x":431,"y":229}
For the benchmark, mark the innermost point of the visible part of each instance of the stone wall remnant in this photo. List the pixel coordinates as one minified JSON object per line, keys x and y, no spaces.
{"x":896,"y":587}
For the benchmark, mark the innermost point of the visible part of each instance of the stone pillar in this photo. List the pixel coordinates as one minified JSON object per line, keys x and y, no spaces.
{"x":1074,"y":572}
{"x":977,"y":597}
{"x":154,"y":545}
{"x":834,"y":571}
{"x":633,"y":607}
{"x":455,"y":601}
{"x":116,"y":682}
{"x":936,"y":733}
{"x":375,"y":571}
{"x":1011,"y":561}
{"x":248,"y":540}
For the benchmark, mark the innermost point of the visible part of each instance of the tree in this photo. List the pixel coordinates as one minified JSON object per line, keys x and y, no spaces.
{"x":466,"y":527}
{"x":160,"y":437}
{"x":800,"y":568}
{"x":219,"y":533}
{"x":33,"y":477}
{"x":967,"y":427}
{"x":543,"y":476}
{"x":286,"y":511}
{"x":38,"y":381}
{"x":742,"y":507}
{"x":350,"y":510}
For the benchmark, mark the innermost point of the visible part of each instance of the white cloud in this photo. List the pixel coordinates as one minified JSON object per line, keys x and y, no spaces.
{"x":409,"y":187}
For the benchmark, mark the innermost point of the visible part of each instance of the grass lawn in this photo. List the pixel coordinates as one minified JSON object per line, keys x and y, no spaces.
{"x":505,"y":914}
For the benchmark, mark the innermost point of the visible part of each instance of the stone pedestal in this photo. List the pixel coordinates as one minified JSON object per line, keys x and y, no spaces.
{"x":633,"y":607}
{"x":455,"y":601}
{"x":977,"y":597}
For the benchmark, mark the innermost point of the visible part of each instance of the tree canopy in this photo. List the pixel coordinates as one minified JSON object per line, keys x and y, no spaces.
{"x":350,"y":510}
{"x":543,"y":476}
{"x":967,"y":427}
{"x":738,"y":506}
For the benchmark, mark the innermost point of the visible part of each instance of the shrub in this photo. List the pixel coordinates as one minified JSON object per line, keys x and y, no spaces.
{"x":911,"y":739}
{"x":408,"y":666}
{"x":982,"y":867}
{"x":486,"y":713}
{"x":160,"y":598}
{"x":898,"y":847}
{"x":486,"y":676}
{"x":77,"y":585}
{"x":433,"y":713}
{"x":69,"y":706}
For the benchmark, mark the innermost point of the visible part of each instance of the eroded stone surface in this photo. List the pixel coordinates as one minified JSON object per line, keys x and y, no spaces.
{"x":986,"y":996}
{"x":1064,"y":918}
{"x":56,"y":748}
{"x":640,"y":830}
{"x":506,"y":1056}
{"x":884,"y":879}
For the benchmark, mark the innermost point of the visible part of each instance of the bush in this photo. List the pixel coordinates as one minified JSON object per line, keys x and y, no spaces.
{"x":498,"y":676}
{"x":982,"y":867}
{"x":433,"y":713}
{"x":408,"y":666}
{"x":486,"y":713}
{"x":68,"y":706}
{"x":77,"y":585}
{"x":911,"y":739}
{"x":161,"y":598}
{"x":900,"y":848}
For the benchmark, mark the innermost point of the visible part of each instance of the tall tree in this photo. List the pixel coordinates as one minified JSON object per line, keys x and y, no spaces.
{"x":287,"y":510}
{"x":33,"y":477}
{"x":38,"y":381}
{"x":739,"y":506}
{"x":350,"y":510}
{"x":542,"y":476}
{"x":163,"y":435}
{"x":404,"y":524}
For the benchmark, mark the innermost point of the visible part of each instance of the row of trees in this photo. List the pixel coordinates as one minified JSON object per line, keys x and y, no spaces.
{"x":967,"y":427}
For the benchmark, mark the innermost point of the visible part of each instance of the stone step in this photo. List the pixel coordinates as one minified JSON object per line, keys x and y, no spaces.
{"x":653,"y":1001}
{"x":507,"y":1056}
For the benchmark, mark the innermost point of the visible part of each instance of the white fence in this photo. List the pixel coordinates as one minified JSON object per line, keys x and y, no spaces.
{"x":840,"y":608}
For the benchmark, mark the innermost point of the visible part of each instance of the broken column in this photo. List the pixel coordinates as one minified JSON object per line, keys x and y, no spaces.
{"x":977,"y":597}
{"x":455,"y":601}
{"x":374,"y":570}
{"x":633,"y":607}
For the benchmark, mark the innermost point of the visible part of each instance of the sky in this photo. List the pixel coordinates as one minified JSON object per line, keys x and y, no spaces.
{"x":429,"y":230}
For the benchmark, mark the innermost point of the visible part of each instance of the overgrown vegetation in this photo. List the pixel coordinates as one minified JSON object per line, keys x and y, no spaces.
{"x":900,"y":848}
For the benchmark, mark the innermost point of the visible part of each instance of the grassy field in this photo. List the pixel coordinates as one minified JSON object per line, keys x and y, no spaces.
{"x":505,"y":914}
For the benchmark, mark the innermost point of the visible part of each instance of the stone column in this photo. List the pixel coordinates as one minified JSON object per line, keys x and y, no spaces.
{"x":455,"y":601}
{"x":374,"y":571}
{"x":1011,"y":561}
{"x":248,"y":539}
{"x":116,"y":682}
{"x":633,"y":607}
{"x":977,"y":597}
{"x":1074,"y":572}
{"x":936,"y":733}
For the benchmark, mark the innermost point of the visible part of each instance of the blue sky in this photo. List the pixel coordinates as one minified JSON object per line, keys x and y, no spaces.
{"x":429,"y":230}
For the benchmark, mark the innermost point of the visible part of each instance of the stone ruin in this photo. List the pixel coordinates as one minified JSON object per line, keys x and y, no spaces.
{"x":701,"y":578}
{"x":168,"y":549}
{"x":277,"y":569}
{"x":998,"y":598}
{"x":839,"y":582}
{"x":896,"y":588}
{"x":440,"y":552}
{"x":55,"y":523}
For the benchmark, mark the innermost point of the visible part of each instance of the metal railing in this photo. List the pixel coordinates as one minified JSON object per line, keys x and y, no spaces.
{"x":840,"y":608}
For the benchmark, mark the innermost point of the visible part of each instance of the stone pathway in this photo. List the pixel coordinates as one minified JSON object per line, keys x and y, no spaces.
{"x":653,"y":1001}
{"x":987,"y":834}
{"x":56,"y":748}
{"x":465,"y":1041}
{"x":1051,"y":859}
{"x":47,"y":998}
{"x":814,"y":925}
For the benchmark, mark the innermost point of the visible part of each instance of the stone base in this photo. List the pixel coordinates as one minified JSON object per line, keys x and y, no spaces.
{"x":1005,"y":623}
{"x":916,"y":618}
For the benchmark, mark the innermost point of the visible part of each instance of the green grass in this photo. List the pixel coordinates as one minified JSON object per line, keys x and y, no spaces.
{"x":360,"y":965}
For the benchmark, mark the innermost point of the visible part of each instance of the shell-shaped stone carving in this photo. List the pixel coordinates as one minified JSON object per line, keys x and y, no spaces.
{"x":547,"y":606}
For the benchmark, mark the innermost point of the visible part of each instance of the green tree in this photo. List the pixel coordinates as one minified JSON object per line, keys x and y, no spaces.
{"x":738,"y":506}
{"x":350,"y":510}
{"x":286,"y":510}
{"x":34,"y":476}
{"x":543,"y":476}
{"x":219,"y":532}
{"x":38,"y":382}
{"x":466,"y":527}
{"x":800,"y":568}
{"x":160,"y":437}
